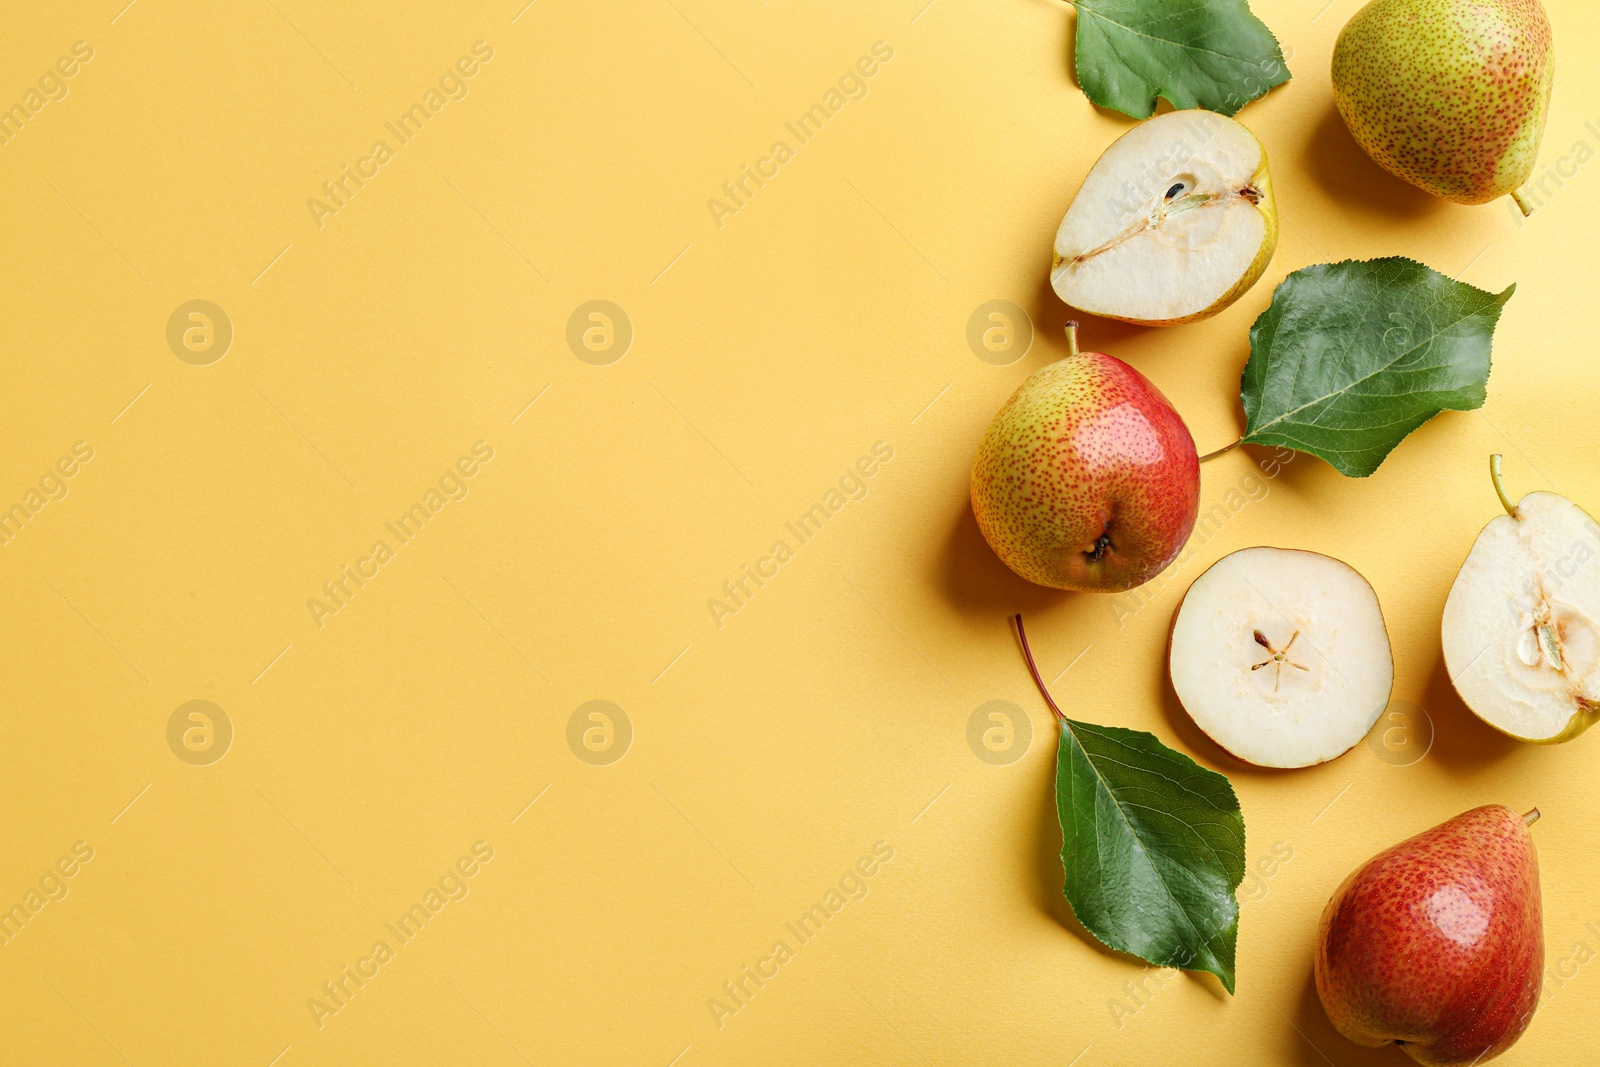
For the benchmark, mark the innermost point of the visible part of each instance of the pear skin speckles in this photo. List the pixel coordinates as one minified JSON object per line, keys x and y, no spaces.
{"x":1450,"y":95}
{"x":1087,"y":479}
{"x":1438,"y":942}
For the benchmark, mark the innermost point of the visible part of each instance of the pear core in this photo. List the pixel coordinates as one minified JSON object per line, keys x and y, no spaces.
{"x":1520,"y":633}
{"x":1172,"y":224}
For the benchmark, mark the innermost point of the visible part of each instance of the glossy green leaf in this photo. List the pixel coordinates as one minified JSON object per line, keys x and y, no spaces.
{"x":1153,"y":848}
{"x":1213,"y":54}
{"x":1353,"y":356}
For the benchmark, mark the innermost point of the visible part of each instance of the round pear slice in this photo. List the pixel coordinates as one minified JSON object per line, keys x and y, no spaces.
{"x":1172,"y":224}
{"x":1519,"y":634}
{"x":1281,"y":656}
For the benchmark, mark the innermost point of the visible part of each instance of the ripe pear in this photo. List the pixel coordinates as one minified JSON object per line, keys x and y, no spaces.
{"x":1087,"y":479}
{"x":1521,"y":628}
{"x":1172,"y":224}
{"x":1450,"y":95}
{"x":1437,"y":944}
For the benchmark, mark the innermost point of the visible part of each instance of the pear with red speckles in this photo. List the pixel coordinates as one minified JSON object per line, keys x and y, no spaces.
{"x":1450,"y":95}
{"x":1437,"y":944}
{"x":1087,"y":478}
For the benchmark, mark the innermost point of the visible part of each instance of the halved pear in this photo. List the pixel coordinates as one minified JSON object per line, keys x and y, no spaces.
{"x":1173,"y":223}
{"x":1521,"y":630}
{"x":1281,"y":656}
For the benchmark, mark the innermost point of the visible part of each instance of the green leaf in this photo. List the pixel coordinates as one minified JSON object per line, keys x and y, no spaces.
{"x":1213,"y":54}
{"x":1353,"y":356}
{"x":1153,"y":847}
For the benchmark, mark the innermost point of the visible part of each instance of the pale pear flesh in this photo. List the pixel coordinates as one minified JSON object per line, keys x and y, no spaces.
{"x":1521,"y":629}
{"x":1172,"y":224}
{"x":1281,"y":656}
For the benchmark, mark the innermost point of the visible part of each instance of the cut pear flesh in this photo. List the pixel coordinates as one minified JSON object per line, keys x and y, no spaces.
{"x":1172,"y":223}
{"x":1520,"y":636}
{"x":1281,"y":656}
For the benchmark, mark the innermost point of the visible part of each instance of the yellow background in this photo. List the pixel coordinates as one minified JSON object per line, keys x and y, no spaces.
{"x":769,"y":353}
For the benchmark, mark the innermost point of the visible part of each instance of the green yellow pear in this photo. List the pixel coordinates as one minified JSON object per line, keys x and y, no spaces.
{"x":1450,"y":95}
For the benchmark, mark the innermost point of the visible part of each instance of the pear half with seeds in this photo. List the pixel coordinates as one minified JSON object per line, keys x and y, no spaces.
{"x":1521,"y":629}
{"x":1172,"y":224}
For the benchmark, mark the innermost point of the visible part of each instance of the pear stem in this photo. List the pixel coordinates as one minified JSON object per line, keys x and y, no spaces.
{"x":1033,"y":668}
{"x":1499,"y":488}
{"x":1072,"y":337}
{"x":1531,"y":817}
{"x":1522,"y":204}
{"x":1220,"y":451}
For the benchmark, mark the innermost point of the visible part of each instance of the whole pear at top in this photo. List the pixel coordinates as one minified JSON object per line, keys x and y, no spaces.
{"x":1450,"y":95}
{"x":1437,"y":944}
{"x":1087,"y":478}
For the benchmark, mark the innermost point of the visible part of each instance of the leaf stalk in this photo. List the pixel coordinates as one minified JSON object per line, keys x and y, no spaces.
{"x":1033,"y":668}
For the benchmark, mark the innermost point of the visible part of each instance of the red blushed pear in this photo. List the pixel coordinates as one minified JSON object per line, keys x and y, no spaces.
{"x":1087,"y":478}
{"x":1437,"y":944}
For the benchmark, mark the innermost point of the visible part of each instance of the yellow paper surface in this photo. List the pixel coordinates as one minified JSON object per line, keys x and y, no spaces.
{"x":415,"y":326}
